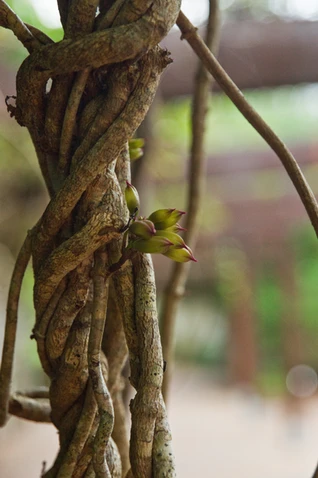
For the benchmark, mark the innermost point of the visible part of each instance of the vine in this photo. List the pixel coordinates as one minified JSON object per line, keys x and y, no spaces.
{"x":104,"y":73}
{"x":94,"y":287}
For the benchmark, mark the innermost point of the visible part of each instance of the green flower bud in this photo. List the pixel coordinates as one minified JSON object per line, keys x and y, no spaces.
{"x":180,"y":254}
{"x":176,"y":228}
{"x":135,"y":143}
{"x":135,"y":153}
{"x":143,"y":228}
{"x":154,"y":245}
{"x":135,"y":146}
{"x":171,"y":236}
{"x":163,"y":218}
{"x":132,"y":198}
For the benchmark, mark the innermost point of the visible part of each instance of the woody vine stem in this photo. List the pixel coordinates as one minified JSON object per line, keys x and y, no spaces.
{"x":92,"y":307}
{"x":89,"y":314}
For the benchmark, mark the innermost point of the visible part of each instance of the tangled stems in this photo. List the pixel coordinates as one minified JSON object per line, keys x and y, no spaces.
{"x":105,"y":73}
{"x":104,"y":76}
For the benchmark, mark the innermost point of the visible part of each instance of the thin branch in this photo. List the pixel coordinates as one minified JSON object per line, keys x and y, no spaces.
{"x":40,"y":329}
{"x":125,"y":295}
{"x":115,"y":349}
{"x":175,"y":287}
{"x":40,"y":36}
{"x":80,"y":436}
{"x":102,"y":396}
{"x":120,"y":435}
{"x":11,"y":326}
{"x":114,"y":342}
{"x":105,"y":20}
{"x":34,"y":409}
{"x":69,"y":121}
{"x":37,"y":392}
{"x":290,"y":164}
{"x":67,"y":390}
{"x":163,"y":457}
{"x":9,"y":19}
{"x":144,"y":408}
{"x":71,"y":302}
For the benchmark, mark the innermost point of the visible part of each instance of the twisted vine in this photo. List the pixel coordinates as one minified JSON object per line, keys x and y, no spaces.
{"x":93,"y":305}
{"x":90,"y":309}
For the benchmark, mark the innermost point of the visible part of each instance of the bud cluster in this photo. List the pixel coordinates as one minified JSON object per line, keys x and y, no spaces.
{"x":157,"y":234}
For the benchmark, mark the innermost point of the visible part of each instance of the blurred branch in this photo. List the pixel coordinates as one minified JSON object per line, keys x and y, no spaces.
{"x":10,"y":20}
{"x":176,"y":284}
{"x":36,"y":392}
{"x":189,"y":32}
{"x":11,"y":327}
{"x":34,"y":409}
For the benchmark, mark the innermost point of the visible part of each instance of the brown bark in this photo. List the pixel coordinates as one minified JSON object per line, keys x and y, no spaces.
{"x":111,"y":75}
{"x":104,"y":76}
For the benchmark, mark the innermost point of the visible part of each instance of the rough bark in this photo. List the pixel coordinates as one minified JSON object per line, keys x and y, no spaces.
{"x":104,"y":74}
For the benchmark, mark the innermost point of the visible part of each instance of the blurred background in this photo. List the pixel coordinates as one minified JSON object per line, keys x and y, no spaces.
{"x":244,"y":398}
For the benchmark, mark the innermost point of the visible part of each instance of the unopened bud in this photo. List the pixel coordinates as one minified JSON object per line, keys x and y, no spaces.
{"x":136,"y":143}
{"x":171,"y":236}
{"x":154,"y":245}
{"x":132,"y":198}
{"x":163,"y":218}
{"x":180,"y":254}
{"x":176,"y":228}
{"x":135,"y":153}
{"x":143,"y":228}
